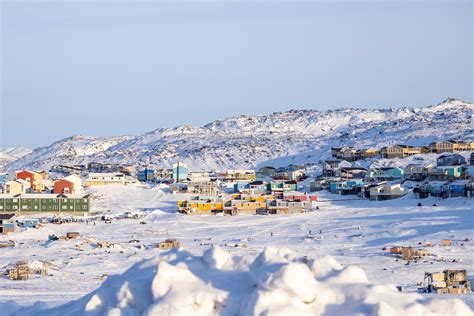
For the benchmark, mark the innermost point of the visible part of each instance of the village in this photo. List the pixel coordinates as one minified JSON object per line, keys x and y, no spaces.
{"x":69,"y":207}
{"x":268,"y":190}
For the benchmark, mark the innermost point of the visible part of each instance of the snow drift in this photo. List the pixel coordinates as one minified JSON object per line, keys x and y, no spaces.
{"x":276,"y":282}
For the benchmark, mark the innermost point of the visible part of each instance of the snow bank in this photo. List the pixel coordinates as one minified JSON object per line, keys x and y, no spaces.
{"x":276,"y":282}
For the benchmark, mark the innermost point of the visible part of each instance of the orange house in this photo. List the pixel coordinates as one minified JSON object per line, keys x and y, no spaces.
{"x":35,"y":179}
{"x":63,"y":187}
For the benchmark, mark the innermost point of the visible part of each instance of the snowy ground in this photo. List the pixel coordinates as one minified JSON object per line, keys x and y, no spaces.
{"x":352,"y":231}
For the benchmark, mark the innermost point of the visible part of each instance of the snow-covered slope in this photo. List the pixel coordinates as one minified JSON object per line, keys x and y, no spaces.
{"x":11,"y":154}
{"x":279,"y":138}
{"x":277,"y":282}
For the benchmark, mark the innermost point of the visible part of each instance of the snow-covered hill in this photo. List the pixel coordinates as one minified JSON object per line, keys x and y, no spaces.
{"x":281,"y":138}
{"x":11,"y":154}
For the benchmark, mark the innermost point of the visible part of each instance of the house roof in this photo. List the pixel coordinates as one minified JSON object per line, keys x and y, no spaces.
{"x":44,"y":196}
{"x":450,"y":155}
{"x":6,"y":216}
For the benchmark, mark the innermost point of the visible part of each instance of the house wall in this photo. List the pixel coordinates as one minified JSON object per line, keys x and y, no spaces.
{"x":63,"y":186}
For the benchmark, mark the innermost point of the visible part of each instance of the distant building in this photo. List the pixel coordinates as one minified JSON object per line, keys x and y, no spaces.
{"x":25,"y":204}
{"x":16,"y":187}
{"x":105,"y":179}
{"x":6,"y":224}
{"x":267,"y":171}
{"x":332,"y":166}
{"x":387,"y":173}
{"x":180,"y":172}
{"x":68,"y":185}
{"x":399,"y":151}
{"x":451,"y":146}
{"x":203,"y":187}
{"x":146,"y":175}
{"x":36,"y":179}
{"x":386,"y":192}
{"x":240,"y":175}
{"x":450,"y":160}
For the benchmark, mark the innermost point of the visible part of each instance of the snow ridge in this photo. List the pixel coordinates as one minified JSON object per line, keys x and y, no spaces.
{"x":280,"y":138}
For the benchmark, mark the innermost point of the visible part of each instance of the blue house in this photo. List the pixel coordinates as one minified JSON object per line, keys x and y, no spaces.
{"x":258,"y":187}
{"x":29,"y":223}
{"x":180,"y":172}
{"x":241,"y":187}
{"x":450,"y":160}
{"x":345,"y":187}
{"x":447,"y":172}
{"x":388,"y":173}
{"x":146,"y":175}
{"x":457,"y":188}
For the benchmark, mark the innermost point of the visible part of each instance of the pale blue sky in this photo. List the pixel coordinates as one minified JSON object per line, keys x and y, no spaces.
{"x":109,"y":68}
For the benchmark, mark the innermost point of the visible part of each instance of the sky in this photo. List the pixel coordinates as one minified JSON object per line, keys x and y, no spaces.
{"x":106,"y":68}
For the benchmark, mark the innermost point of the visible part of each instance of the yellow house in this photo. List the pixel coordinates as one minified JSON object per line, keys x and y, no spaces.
{"x":399,"y":151}
{"x":246,"y":207}
{"x":199,"y":207}
{"x":451,"y":146}
{"x":369,"y":153}
{"x":15,"y":187}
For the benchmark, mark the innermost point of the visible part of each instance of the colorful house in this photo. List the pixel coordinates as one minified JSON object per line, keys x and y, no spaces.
{"x":450,"y":160}
{"x":258,"y":187}
{"x":446,"y":172}
{"x":63,"y":187}
{"x":433,"y":188}
{"x":332,"y":166}
{"x":240,"y":175}
{"x":180,"y":172}
{"x":240,"y":187}
{"x":299,"y":196}
{"x":200,"y":207}
{"x":16,"y":187}
{"x":346,"y":186}
{"x":6,"y":224}
{"x":36,"y":179}
{"x":203,"y":187}
{"x":68,"y":185}
{"x":3,"y":178}
{"x":458,"y":188}
{"x":76,"y":204}
{"x":451,"y":146}
{"x":369,"y":153}
{"x":288,"y":207}
{"x":146,"y":175}
{"x":105,"y":179}
{"x":387,"y":173}
{"x":399,"y":151}
{"x":386,"y":192}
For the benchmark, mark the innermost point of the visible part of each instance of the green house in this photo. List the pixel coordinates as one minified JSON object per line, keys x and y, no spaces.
{"x":74,"y":204}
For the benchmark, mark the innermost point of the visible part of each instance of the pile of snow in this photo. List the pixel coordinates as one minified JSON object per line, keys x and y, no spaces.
{"x":275,"y":282}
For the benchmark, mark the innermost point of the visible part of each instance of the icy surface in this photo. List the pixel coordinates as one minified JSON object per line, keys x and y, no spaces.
{"x":276,"y":282}
{"x":341,"y":240}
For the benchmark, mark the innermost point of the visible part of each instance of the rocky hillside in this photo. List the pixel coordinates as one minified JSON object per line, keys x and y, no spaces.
{"x":281,"y":138}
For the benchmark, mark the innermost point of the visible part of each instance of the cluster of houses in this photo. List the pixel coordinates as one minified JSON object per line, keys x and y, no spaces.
{"x":449,"y":177}
{"x":268,"y":190}
{"x":401,"y":150}
{"x":32,"y":192}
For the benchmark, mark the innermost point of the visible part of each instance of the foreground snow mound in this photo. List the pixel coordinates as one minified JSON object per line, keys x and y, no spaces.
{"x":276,"y":282}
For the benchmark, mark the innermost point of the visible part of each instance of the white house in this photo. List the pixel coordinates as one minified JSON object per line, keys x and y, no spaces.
{"x":105,"y":179}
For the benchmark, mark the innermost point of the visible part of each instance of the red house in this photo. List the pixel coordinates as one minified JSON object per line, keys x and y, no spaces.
{"x":300,"y":196}
{"x":63,"y":187}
